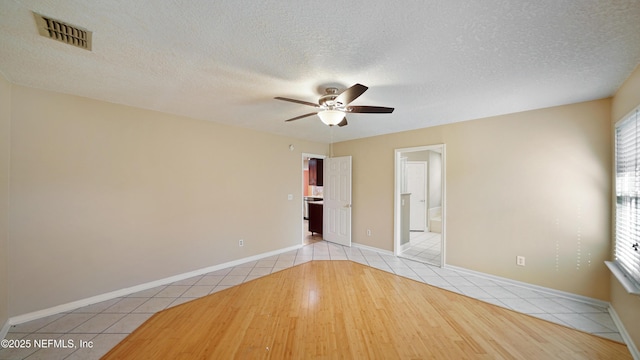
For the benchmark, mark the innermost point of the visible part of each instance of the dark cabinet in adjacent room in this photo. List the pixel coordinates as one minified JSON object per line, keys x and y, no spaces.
{"x":315,"y":172}
{"x":315,"y":217}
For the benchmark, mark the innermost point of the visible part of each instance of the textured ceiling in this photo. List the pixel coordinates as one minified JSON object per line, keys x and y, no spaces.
{"x":436,"y":62}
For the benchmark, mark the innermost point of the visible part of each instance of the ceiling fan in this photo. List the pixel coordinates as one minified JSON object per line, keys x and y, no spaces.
{"x":332,"y":106}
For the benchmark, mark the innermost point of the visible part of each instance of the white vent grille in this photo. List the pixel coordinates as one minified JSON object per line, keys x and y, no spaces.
{"x":63,"y":32}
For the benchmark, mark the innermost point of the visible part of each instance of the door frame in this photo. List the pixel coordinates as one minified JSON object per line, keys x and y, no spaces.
{"x":397,"y":231}
{"x":303,"y":156}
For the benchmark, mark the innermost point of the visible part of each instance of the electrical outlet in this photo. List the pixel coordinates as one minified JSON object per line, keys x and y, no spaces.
{"x":368,"y":232}
{"x":240,"y":242}
{"x":520,"y":260}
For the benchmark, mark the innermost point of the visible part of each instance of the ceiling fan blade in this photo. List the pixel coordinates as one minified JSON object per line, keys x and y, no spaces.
{"x":343,"y":122}
{"x":370,"y":109}
{"x":301,"y":116}
{"x":351,"y":94}
{"x":297,"y":101}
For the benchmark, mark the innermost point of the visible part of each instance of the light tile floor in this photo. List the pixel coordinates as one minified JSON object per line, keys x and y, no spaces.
{"x":424,"y":247}
{"x":105,"y":324}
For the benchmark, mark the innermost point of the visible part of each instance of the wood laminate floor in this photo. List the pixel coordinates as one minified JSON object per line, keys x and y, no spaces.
{"x":342,"y":309}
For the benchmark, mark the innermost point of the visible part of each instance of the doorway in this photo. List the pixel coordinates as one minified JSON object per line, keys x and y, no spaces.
{"x":419,"y":231}
{"x":309,"y":194}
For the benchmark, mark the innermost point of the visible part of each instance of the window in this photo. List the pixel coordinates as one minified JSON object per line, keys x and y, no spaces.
{"x":627,"y":213}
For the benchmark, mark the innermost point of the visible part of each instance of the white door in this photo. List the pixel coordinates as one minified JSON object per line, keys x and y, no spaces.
{"x":417,"y":186}
{"x":336,"y":215}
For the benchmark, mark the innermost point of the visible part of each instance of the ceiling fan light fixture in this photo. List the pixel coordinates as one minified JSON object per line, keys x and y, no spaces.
{"x":331,"y":117}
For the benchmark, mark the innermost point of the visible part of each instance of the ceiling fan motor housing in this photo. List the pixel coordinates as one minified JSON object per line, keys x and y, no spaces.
{"x":328,"y":99}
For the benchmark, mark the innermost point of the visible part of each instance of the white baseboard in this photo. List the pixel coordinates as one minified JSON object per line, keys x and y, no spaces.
{"x":371,"y":248}
{"x":554,"y":292}
{"x":4,"y":330}
{"x":19,"y":319}
{"x":625,"y":335}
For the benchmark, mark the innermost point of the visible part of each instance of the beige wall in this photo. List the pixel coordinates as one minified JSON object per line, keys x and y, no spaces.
{"x":535,"y":184}
{"x":5,"y":121}
{"x":106,"y":196}
{"x":626,"y":306}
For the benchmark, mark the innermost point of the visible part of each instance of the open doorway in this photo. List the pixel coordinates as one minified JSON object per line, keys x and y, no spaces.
{"x":312,"y":198}
{"x":419,"y":231}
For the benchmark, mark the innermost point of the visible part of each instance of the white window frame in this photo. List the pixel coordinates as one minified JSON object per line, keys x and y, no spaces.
{"x":626,"y":266}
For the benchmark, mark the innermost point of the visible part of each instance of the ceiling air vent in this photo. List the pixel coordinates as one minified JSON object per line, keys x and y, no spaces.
{"x":63,"y":32}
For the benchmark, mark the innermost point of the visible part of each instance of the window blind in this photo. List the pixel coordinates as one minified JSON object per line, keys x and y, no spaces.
{"x":627,"y":218}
